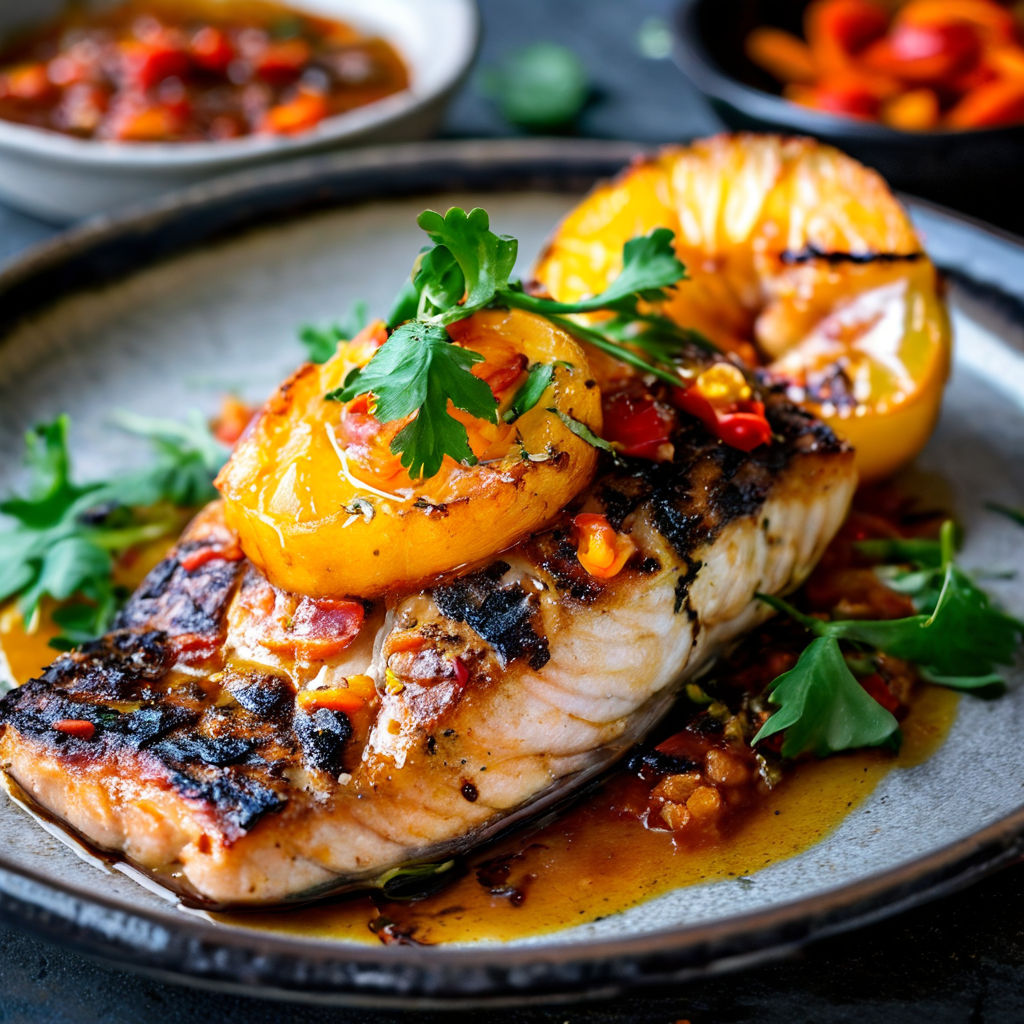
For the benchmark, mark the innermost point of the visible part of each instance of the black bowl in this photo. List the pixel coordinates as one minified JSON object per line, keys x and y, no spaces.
{"x":978,"y":170}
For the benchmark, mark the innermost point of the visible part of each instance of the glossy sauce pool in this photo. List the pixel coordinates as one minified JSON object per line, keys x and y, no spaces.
{"x":593,"y":860}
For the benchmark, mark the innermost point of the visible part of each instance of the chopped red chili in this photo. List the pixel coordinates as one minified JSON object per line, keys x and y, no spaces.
{"x":77,"y":727}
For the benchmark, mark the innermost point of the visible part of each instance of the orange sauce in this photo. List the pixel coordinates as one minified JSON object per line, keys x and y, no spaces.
{"x":593,"y":861}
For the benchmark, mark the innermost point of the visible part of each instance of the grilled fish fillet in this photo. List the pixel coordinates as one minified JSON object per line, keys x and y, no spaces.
{"x":498,"y":692}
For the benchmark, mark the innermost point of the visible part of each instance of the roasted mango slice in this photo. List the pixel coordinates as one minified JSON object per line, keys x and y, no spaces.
{"x":800,"y":260}
{"x":323,"y":507}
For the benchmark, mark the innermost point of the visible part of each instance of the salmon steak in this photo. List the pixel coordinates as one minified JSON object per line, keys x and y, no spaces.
{"x":203,"y":740}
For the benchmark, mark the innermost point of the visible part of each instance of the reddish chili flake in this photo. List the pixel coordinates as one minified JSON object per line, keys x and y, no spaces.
{"x":461,"y":672}
{"x":740,"y":424}
{"x":77,"y":727}
{"x":640,"y":426}
{"x":196,"y":559}
{"x":876,"y":688}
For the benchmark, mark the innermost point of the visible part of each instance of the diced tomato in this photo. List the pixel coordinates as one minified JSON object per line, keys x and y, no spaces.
{"x":1000,"y":102}
{"x":234,"y":416}
{"x":876,"y":688}
{"x":27,"y":82}
{"x":840,"y":29}
{"x":302,"y":113}
{"x":640,"y":426}
{"x":843,"y":98}
{"x":600,"y":549}
{"x":992,"y":19}
{"x":211,"y":49}
{"x":283,"y":60}
{"x":925,"y":53}
{"x":150,"y":123}
{"x":65,"y":70}
{"x":740,"y":424}
{"x":146,"y":64}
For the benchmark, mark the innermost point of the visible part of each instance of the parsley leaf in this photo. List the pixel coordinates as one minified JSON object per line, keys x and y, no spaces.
{"x":650,"y":267}
{"x":322,"y":342}
{"x":823,"y":708}
{"x":958,"y":638}
{"x":530,"y":392}
{"x":540,"y":87}
{"x":418,"y":370}
{"x":63,"y":537}
{"x":485,"y":259}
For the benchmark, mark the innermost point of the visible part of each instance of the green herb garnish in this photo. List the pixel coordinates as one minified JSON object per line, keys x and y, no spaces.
{"x":468,"y":268}
{"x":823,"y":708}
{"x":958,"y":639}
{"x":540,"y":88}
{"x":64,"y":536}
{"x":322,"y":342}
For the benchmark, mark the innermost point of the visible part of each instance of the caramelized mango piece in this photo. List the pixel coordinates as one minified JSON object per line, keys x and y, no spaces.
{"x":799,"y":259}
{"x":324,"y":508}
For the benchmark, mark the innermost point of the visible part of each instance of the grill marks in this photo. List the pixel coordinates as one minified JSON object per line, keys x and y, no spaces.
{"x":501,"y":615}
{"x":812,"y":254}
{"x":185,"y":597}
{"x":220,"y":739}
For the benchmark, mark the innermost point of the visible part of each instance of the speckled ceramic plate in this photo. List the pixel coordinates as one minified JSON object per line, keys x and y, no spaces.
{"x":166,"y":308}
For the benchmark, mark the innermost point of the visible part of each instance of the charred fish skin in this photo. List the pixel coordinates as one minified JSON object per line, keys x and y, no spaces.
{"x":498,"y":693}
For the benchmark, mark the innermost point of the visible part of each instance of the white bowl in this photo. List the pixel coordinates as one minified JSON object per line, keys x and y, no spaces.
{"x":62,"y":178}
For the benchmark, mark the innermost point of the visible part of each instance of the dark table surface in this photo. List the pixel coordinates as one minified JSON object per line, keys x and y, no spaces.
{"x":958,"y":959}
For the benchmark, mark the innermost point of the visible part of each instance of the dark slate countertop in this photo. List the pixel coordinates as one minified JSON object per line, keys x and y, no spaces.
{"x":960,"y":959}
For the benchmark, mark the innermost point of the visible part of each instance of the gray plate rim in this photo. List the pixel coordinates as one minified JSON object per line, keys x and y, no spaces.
{"x":189,"y":949}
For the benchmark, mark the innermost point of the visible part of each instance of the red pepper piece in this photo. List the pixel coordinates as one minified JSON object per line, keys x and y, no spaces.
{"x":77,"y":727}
{"x":461,"y":672}
{"x":146,"y":64}
{"x":640,"y":426}
{"x":877,"y":689}
{"x":740,"y":425}
{"x":211,"y":49}
{"x":195,"y":559}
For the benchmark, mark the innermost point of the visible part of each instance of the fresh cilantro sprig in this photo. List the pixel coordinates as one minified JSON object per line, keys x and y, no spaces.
{"x":822,"y":707}
{"x":957,"y":639}
{"x":322,"y":342}
{"x":468,"y":268}
{"x":63,"y":537}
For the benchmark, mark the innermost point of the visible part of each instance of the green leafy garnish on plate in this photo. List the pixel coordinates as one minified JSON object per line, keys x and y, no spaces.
{"x":822,"y":707}
{"x":322,"y":342}
{"x":63,"y":537}
{"x":958,"y":639}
